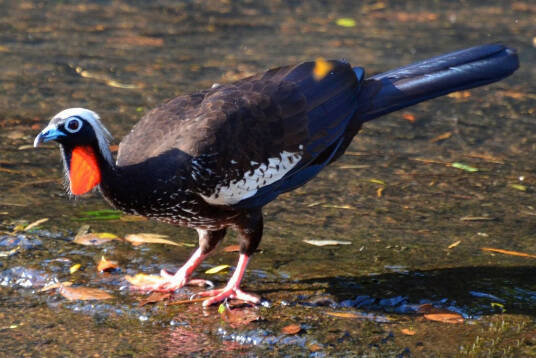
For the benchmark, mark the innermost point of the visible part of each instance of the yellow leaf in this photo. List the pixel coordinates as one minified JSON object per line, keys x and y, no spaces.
{"x":74,"y":268}
{"x":35,"y":223}
{"x":142,"y":279}
{"x":144,"y":238}
{"x":346,"y":22}
{"x":216,"y":269}
{"x":343,"y":314}
{"x":454,"y":244}
{"x":95,"y":238}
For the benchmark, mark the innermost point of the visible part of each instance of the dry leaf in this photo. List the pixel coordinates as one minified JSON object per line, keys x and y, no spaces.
{"x":291,"y":329}
{"x":106,"y":265}
{"x":407,"y":331}
{"x":451,"y":317}
{"x":144,"y":238}
{"x":240,"y":316}
{"x":477,"y":218}
{"x":432,"y":313}
{"x":74,"y":268}
{"x":155,"y":297}
{"x":231,"y":248}
{"x":508,"y":252}
{"x":321,"y":69}
{"x":409,"y":117}
{"x":96,"y":238}
{"x":216,"y":269}
{"x":142,"y":279}
{"x":327,"y":242}
{"x":454,"y":244}
{"x":83,"y":293}
{"x":459,"y":94}
{"x":343,"y":314}
{"x":346,"y":206}
{"x":55,"y":285}
{"x":441,"y":137}
{"x":379,"y":192}
{"x":35,"y":223}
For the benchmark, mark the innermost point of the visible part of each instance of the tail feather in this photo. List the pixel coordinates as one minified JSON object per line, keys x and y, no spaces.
{"x":455,"y":71}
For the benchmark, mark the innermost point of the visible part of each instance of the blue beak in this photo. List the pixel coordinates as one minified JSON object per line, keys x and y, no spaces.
{"x":48,"y":134}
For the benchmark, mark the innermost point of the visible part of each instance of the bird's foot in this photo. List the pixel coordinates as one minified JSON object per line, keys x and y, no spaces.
{"x":228,"y":292}
{"x":167,"y":282}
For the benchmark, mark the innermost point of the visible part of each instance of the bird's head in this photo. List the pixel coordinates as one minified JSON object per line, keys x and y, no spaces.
{"x":84,"y":143}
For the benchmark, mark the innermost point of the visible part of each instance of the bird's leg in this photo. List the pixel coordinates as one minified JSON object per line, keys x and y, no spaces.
{"x":170,"y":282}
{"x":250,"y":230}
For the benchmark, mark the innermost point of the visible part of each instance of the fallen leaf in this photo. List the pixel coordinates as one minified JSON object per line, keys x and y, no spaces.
{"x":508,"y":252}
{"x":291,"y":329}
{"x":321,"y":69}
{"x":409,"y":117}
{"x":95,"y":238}
{"x":231,"y":248}
{"x":343,"y":314}
{"x":216,"y":269}
{"x":432,"y":313}
{"x":460,"y":94}
{"x":379,"y":192}
{"x":477,"y":218}
{"x":327,"y":242}
{"x":451,"y":318}
{"x":345,"y":206}
{"x":454,"y":244}
{"x":35,"y":223}
{"x":74,"y":268}
{"x":142,"y":279}
{"x":519,"y":187}
{"x":465,"y":167}
{"x":144,"y":238}
{"x":377,"y":181}
{"x":155,"y":297}
{"x":55,"y":285}
{"x":106,"y":265}
{"x":441,"y":137}
{"x":407,"y":331}
{"x":240,"y":316}
{"x":84,"y":293}
{"x":345,"y":22}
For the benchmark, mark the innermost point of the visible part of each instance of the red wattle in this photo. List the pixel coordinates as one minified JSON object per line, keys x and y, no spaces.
{"x":84,"y":172}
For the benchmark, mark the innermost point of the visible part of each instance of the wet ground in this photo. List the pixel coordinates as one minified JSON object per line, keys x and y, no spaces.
{"x":417,"y":225}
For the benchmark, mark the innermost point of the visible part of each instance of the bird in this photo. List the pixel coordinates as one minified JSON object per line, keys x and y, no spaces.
{"x":213,"y":159}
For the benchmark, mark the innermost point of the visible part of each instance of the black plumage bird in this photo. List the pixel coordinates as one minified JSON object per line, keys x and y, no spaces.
{"x":212,"y":159}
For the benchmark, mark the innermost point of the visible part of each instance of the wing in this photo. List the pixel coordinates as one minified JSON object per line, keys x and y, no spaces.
{"x":252,"y":140}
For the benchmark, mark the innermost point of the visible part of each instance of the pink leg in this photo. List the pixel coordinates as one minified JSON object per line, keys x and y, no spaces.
{"x":180,"y":278}
{"x":232,"y":289}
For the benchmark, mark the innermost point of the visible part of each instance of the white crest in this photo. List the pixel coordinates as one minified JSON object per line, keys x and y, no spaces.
{"x":103,"y":135}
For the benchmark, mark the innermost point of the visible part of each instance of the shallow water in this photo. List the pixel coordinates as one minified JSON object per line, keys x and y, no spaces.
{"x":122,"y":58}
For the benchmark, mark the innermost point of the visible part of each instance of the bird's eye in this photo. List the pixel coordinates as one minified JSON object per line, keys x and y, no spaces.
{"x":73,"y":125}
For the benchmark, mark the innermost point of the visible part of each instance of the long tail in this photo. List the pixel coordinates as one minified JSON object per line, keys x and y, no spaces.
{"x":455,"y":71}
